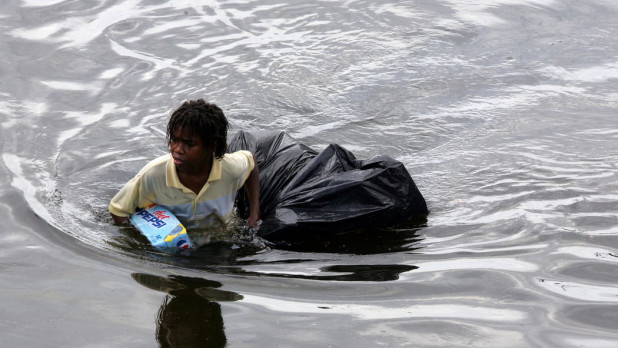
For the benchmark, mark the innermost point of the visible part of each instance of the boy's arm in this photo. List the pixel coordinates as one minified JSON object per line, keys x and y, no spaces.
{"x":253,"y":191}
{"x":124,"y":202}
{"x":120,"y":220}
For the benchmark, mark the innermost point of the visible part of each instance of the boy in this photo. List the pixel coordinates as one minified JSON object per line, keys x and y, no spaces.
{"x":197,"y":180}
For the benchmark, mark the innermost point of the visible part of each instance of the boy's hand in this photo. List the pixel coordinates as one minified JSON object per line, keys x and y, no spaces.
{"x":120,"y":220}
{"x":253,"y":221}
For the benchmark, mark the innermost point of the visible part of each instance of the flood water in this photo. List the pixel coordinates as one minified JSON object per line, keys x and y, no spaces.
{"x":505,"y":113}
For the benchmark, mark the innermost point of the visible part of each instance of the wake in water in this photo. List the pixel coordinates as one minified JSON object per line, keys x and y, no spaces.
{"x":504,"y":112}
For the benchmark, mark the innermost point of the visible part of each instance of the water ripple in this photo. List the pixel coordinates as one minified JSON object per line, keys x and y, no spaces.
{"x":504,"y":113}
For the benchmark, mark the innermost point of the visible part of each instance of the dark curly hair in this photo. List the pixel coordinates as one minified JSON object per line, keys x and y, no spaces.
{"x":204,"y":120}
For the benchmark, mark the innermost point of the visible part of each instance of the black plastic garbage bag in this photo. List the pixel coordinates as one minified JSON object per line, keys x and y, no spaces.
{"x":303,"y":192}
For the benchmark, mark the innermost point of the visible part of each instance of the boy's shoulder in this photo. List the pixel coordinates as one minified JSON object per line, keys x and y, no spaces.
{"x":238,"y":157}
{"x":237,"y":162}
{"x":157,"y":164}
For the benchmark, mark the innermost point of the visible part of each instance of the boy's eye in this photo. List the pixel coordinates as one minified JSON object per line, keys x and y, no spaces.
{"x":187,"y":142}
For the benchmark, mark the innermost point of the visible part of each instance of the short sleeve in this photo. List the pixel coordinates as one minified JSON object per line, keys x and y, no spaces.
{"x":132,"y":196}
{"x":125,"y":201}
{"x":241,"y":164}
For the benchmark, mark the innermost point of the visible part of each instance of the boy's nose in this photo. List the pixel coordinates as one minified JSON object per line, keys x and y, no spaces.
{"x":177,"y":148}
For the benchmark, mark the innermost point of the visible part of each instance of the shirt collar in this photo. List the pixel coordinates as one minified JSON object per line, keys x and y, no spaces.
{"x":172,"y":179}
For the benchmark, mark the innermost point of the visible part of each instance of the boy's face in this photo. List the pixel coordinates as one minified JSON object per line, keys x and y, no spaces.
{"x":189,"y":153}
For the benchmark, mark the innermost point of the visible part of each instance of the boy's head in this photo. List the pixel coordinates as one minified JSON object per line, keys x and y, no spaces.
{"x":205,"y":120}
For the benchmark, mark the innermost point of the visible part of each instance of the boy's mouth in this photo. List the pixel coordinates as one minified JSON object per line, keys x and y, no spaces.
{"x":177,"y":160}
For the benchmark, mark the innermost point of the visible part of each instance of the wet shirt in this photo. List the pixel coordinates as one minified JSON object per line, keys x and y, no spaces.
{"x":158,"y":183}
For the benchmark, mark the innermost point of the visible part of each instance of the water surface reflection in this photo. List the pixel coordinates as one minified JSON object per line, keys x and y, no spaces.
{"x":190,"y":315}
{"x":504,"y":113}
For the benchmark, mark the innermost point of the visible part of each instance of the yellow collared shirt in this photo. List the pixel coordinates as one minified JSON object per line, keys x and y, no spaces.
{"x":158,"y":183}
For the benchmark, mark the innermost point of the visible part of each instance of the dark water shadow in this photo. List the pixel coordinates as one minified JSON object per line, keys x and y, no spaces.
{"x":358,"y":273}
{"x":235,"y":263}
{"x":190,"y":315}
{"x":400,"y":238}
{"x":244,"y":258}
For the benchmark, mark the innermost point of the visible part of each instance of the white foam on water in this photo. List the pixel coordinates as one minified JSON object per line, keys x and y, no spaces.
{"x":401,"y":311}
{"x":594,"y":74}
